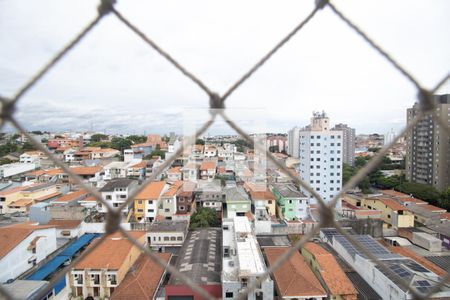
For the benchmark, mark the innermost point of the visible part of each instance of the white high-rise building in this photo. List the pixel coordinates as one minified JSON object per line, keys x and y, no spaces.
{"x":321,"y":157}
{"x":389,"y":137}
{"x":294,"y":142}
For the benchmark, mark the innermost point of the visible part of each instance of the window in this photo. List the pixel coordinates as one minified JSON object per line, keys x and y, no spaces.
{"x":112,"y":278}
{"x":150,"y":210}
{"x":150,"y":201}
{"x":139,"y":201}
{"x":179,"y":238}
{"x":140,"y":210}
{"x":229,"y":295}
{"x":95,"y":278}
{"x":78,"y":278}
{"x":226,"y":252}
{"x":173,"y":238}
{"x":108,"y":197}
{"x":166,"y":210}
{"x":166,"y":238}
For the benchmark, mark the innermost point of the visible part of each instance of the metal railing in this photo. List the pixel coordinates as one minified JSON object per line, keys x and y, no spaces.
{"x":217,"y":109}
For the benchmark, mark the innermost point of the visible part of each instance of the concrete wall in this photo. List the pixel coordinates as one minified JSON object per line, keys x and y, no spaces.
{"x":373,"y":227}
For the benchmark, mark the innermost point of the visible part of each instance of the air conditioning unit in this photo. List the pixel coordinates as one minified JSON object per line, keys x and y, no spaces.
{"x":231,"y":263}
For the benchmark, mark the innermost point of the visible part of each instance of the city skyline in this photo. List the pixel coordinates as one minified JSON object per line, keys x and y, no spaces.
{"x":113,"y":78}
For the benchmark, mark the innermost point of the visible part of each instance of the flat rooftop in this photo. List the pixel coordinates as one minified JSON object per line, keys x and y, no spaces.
{"x":245,"y":257}
{"x":288,"y":190}
{"x":273,"y":241}
{"x":200,"y":257}
{"x":168,"y":226}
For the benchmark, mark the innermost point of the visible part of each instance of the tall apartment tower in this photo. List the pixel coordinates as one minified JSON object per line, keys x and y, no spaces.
{"x":294,"y":142}
{"x":321,"y":157}
{"x":428,"y":146}
{"x":348,"y":143}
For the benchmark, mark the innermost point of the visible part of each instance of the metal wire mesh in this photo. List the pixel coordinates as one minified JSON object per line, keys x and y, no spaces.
{"x":106,"y":7}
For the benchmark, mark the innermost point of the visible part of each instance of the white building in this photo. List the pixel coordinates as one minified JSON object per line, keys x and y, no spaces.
{"x":321,"y":158}
{"x":294,"y":142}
{"x":210,"y":151}
{"x":9,"y":170}
{"x":22,"y":246}
{"x":116,"y":192}
{"x":32,"y":157}
{"x":167,"y":234}
{"x":242,"y":261}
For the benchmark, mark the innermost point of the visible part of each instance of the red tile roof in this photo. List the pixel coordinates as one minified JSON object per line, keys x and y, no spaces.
{"x":72,"y":196}
{"x":433,"y":208}
{"x":152,"y":190}
{"x":110,"y":253}
{"x":294,"y":278}
{"x":11,"y":236}
{"x":142,"y":281}
{"x":65,"y":224}
{"x":394,"y":205}
{"x":208,"y":165}
{"x":43,"y":198}
{"x":330,"y":271}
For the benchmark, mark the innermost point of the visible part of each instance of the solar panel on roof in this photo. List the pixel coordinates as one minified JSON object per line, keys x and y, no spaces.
{"x":423,"y":283}
{"x":415,"y":267}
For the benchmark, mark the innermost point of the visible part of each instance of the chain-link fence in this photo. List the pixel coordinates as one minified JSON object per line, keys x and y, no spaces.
{"x":217,"y":109}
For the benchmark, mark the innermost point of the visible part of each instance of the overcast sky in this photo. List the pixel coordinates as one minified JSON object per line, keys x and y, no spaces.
{"x":113,"y":81}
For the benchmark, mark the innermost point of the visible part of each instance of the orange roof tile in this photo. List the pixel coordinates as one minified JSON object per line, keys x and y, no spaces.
{"x":86,"y":170}
{"x":174,"y":170}
{"x":421,"y":260}
{"x":43,"y":198}
{"x":394,"y":193}
{"x":172,"y":191}
{"x":413,"y":200}
{"x":142,"y":281}
{"x":13,"y":190}
{"x":65,"y":224}
{"x":208,"y":165}
{"x":140,"y":165}
{"x":152,"y":190}
{"x":394,"y":205}
{"x":330,"y":271}
{"x":89,"y":199}
{"x":294,"y":278}
{"x":445,"y":216}
{"x":72,"y":196}
{"x":21,"y":203}
{"x":11,"y":236}
{"x":262,"y":195}
{"x":110,"y":253}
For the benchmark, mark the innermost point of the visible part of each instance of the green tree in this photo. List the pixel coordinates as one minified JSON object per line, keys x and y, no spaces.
{"x":4,"y":161}
{"x":444,"y":200}
{"x":98,"y":137}
{"x":27,"y":146}
{"x":137,"y":139}
{"x":156,"y":152}
{"x":422,"y":191}
{"x":204,"y":217}
{"x":8,"y":148}
{"x":100,"y":144}
{"x":199,"y":142}
{"x":121,"y":144}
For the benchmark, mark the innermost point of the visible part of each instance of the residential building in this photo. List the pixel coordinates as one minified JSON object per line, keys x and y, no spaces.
{"x":293,"y":148}
{"x":142,"y":280}
{"x":9,"y":170}
{"x":237,"y":202}
{"x":143,"y":149}
{"x":242,"y":261}
{"x":185,"y":198}
{"x":103,"y":153}
{"x":190,"y":172}
{"x":278,"y":142}
{"x":20,"y":199}
{"x":199,"y":259}
{"x":321,"y":158}
{"x":210,"y":151}
{"x":209,"y":194}
{"x":329,"y":273}
{"x":168,"y":202}
{"x":208,"y":170}
{"x":102,"y":270}
{"x":117,"y":169}
{"x":146,"y":203}
{"x":174,"y":174}
{"x":262,"y":198}
{"x":164,"y":234}
{"x":22,"y":246}
{"x":32,"y":157}
{"x":66,"y":229}
{"x":293,"y":204}
{"x":393,"y":213}
{"x":348,"y":143}
{"x":428,"y":146}
{"x":116,"y":192}
{"x":294,"y":279}
{"x":137,"y":170}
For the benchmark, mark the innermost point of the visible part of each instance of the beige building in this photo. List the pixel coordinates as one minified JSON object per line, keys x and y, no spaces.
{"x":100,"y":272}
{"x":393,"y":213}
{"x":21,"y":198}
